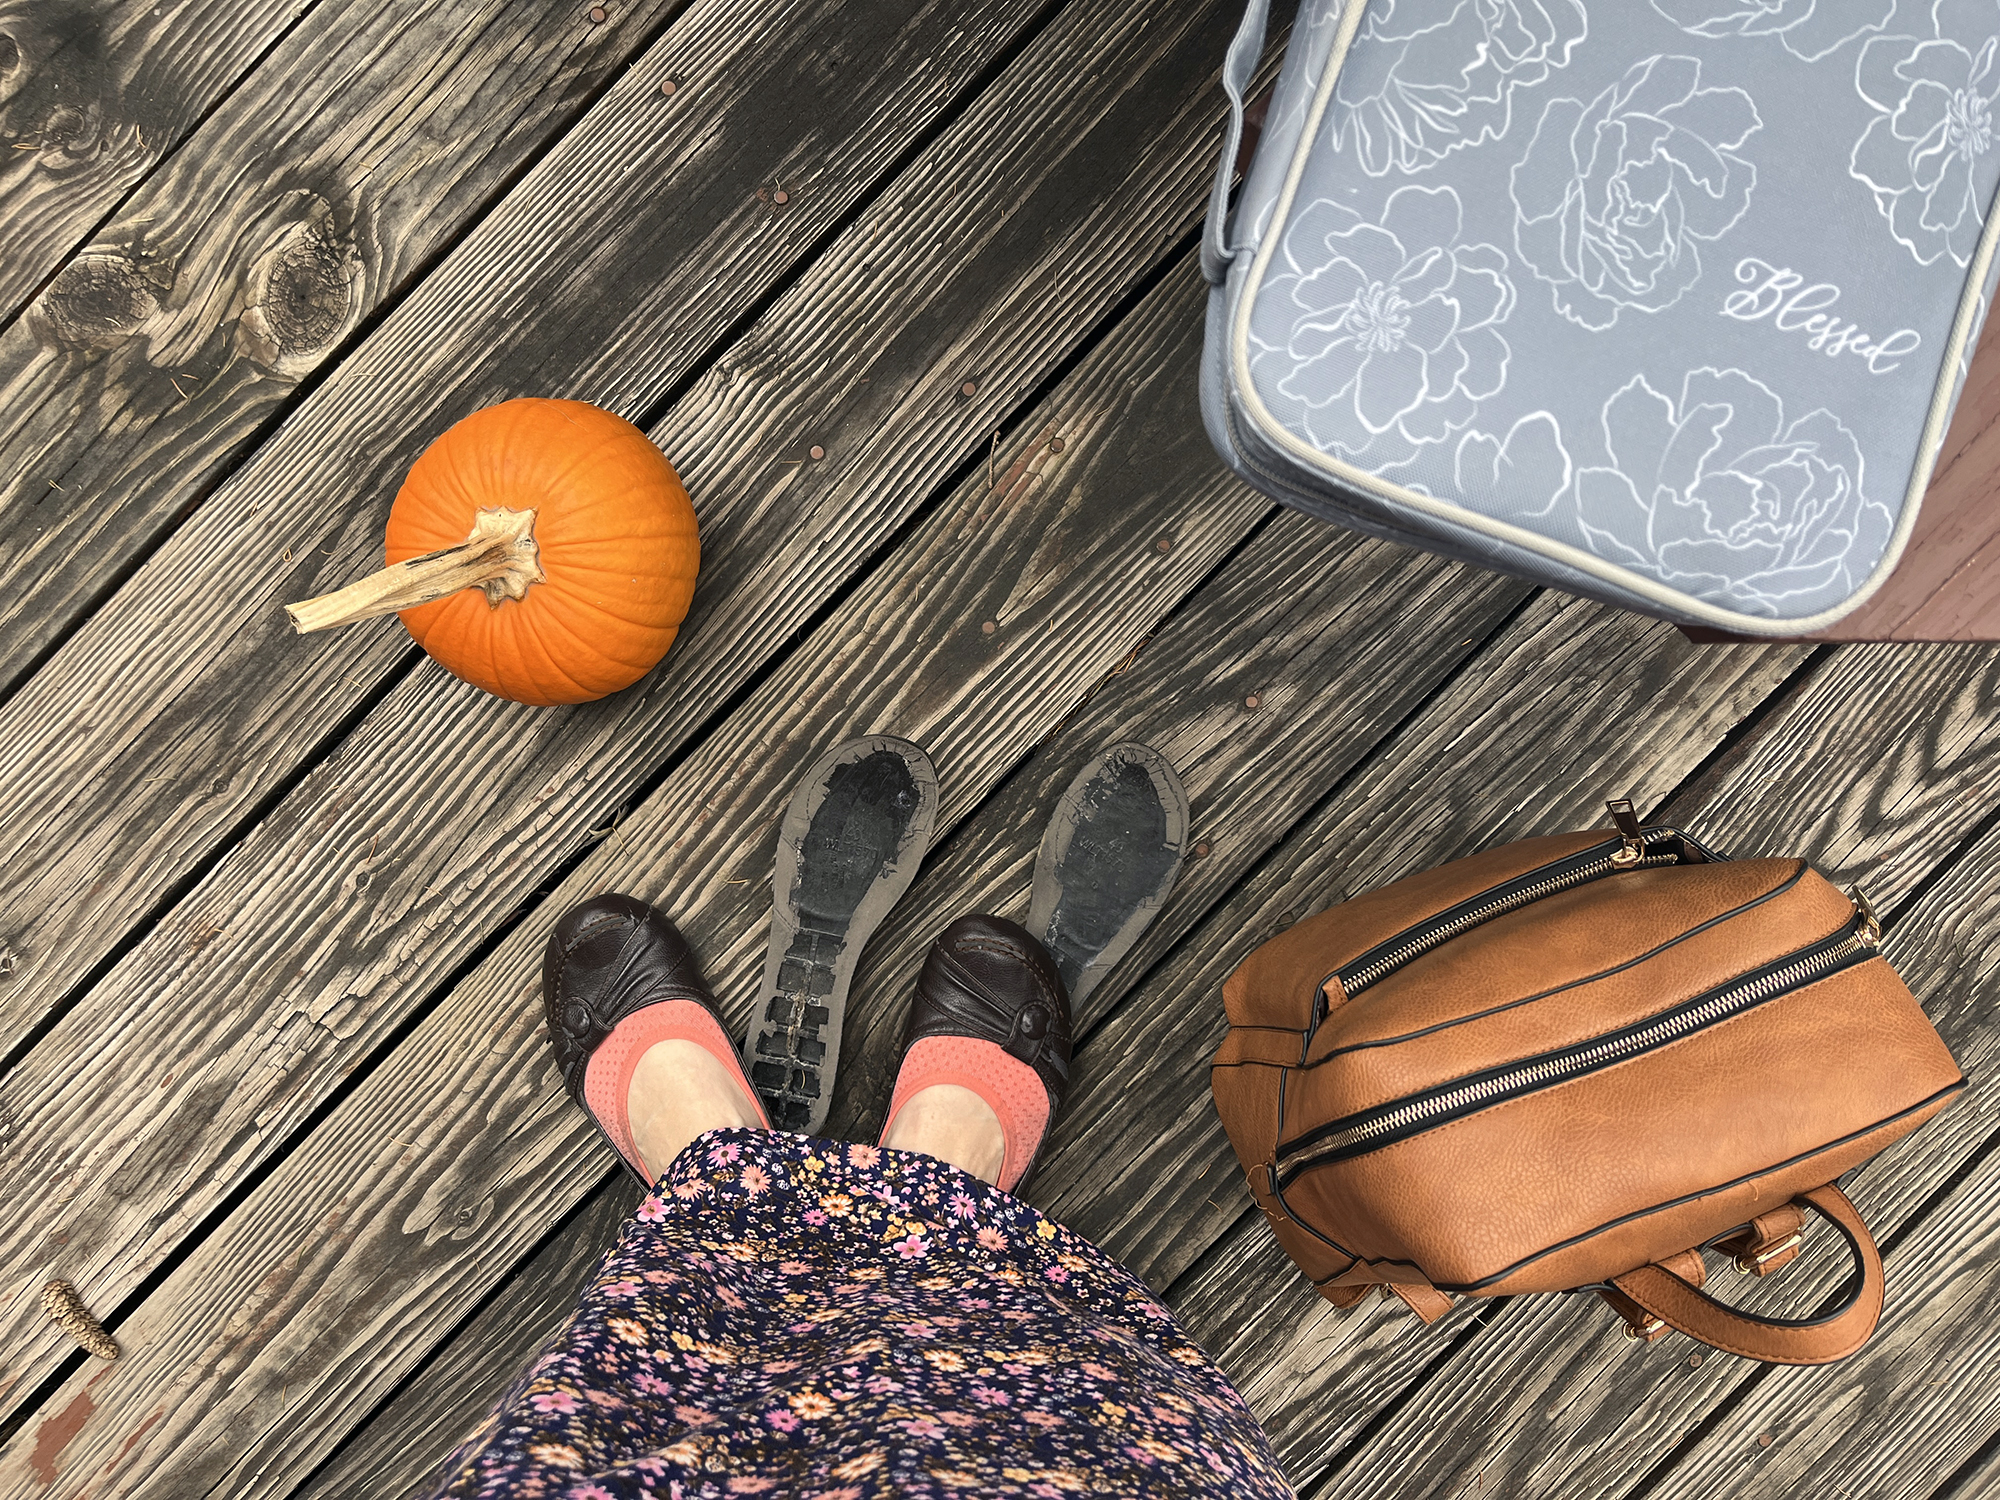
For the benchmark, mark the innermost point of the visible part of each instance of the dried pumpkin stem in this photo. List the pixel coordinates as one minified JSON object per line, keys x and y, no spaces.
{"x":500,"y":557}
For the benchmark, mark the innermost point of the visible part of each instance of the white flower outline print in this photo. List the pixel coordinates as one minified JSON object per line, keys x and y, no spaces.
{"x":1390,"y":329}
{"x":1425,"y":79}
{"x":1810,"y":29}
{"x":1921,"y":156}
{"x":1515,"y":477}
{"x":1613,"y":195}
{"x":1717,"y":496}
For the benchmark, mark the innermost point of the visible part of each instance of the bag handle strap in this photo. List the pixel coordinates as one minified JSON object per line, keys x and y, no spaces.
{"x":1238,"y":68}
{"x":1679,"y":1303}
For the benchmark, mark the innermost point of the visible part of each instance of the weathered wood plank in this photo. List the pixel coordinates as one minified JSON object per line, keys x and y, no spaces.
{"x":134,"y":755}
{"x":1618,"y":1408}
{"x":310,"y":200}
{"x":94,"y":93}
{"x":1895,"y":1420}
{"x":1980,"y":1479}
{"x":402,"y":1444}
{"x":371,"y":884}
{"x":1874,"y":769}
{"x":1332,"y":637}
{"x":426,"y":1184}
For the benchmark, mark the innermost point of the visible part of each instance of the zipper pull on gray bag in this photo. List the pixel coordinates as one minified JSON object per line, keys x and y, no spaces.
{"x":1662,"y":302}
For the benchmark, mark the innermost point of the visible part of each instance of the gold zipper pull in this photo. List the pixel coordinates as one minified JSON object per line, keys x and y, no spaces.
{"x":1632,"y":845}
{"x":1870,"y":931}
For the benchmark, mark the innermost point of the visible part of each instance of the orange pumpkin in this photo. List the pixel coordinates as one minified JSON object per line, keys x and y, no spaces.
{"x":542,"y":550}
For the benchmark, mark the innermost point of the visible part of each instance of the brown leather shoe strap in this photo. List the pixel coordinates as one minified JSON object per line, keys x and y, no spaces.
{"x":1781,"y":1341}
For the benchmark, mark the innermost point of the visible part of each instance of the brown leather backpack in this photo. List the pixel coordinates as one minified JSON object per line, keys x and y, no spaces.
{"x":1576,"y":1063}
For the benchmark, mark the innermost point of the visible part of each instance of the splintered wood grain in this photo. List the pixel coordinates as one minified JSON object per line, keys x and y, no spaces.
{"x":1875,"y":768}
{"x":1980,"y":1479}
{"x":1314,"y":1374}
{"x":138,"y":750}
{"x":423,"y":1186}
{"x":1879,"y":765}
{"x":281,"y":972}
{"x":401,"y":1445}
{"x":312,"y":198}
{"x":93,"y":94}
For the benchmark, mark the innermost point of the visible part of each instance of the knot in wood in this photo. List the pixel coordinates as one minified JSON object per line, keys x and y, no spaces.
{"x":99,"y":299}
{"x":308,"y":288}
{"x":61,"y":90}
{"x":300,"y":290}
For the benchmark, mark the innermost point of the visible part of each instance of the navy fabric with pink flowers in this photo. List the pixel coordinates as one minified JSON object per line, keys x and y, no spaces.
{"x":792,"y":1316}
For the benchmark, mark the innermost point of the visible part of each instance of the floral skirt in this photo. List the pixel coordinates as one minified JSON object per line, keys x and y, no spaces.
{"x":795,"y":1316}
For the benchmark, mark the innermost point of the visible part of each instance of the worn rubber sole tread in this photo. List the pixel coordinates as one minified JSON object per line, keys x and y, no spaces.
{"x":851,"y":841}
{"x":1108,"y":862}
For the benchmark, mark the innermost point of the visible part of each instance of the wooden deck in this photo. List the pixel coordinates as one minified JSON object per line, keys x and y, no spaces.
{"x":274,"y":1093}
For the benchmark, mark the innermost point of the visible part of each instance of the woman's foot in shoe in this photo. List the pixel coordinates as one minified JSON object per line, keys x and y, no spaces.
{"x":678,"y":1091}
{"x":636,"y":1033}
{"x":950,"y":1122}
{"x":986,"y":1053}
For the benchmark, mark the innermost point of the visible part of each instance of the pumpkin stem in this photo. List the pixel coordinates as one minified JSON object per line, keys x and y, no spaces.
{"x":500,"y":558}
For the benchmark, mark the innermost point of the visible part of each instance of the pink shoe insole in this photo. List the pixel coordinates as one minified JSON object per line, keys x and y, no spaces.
{"x":1011,"y":1088}
{"x":607,"y":1081}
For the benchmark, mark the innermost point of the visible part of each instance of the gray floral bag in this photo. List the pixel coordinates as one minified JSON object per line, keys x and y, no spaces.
{"x":1664,"y":302}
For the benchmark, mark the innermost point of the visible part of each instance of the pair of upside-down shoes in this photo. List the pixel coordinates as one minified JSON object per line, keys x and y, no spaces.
{"x":992,"y":1008}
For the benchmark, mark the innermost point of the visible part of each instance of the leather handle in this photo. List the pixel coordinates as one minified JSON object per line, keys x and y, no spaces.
{"x":1778,"y":1341}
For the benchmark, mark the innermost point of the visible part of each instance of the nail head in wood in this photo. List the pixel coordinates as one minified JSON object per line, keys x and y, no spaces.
{"x":669,"y":86}
{"x":1200,"y":850}
{"x":1252,"y":701}
{"x":987,"y":627}
{"x":62,"y":1302}
{"x":1165,"y":544}
{"x":816,"y":451}
{"x":781,"y":196}
{"x":1764,"y":1440}
{"x":970,"y":388}
{"x":1055,"y":445}
{"x":599,"y":15}
{"x":1694,"y":1361}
